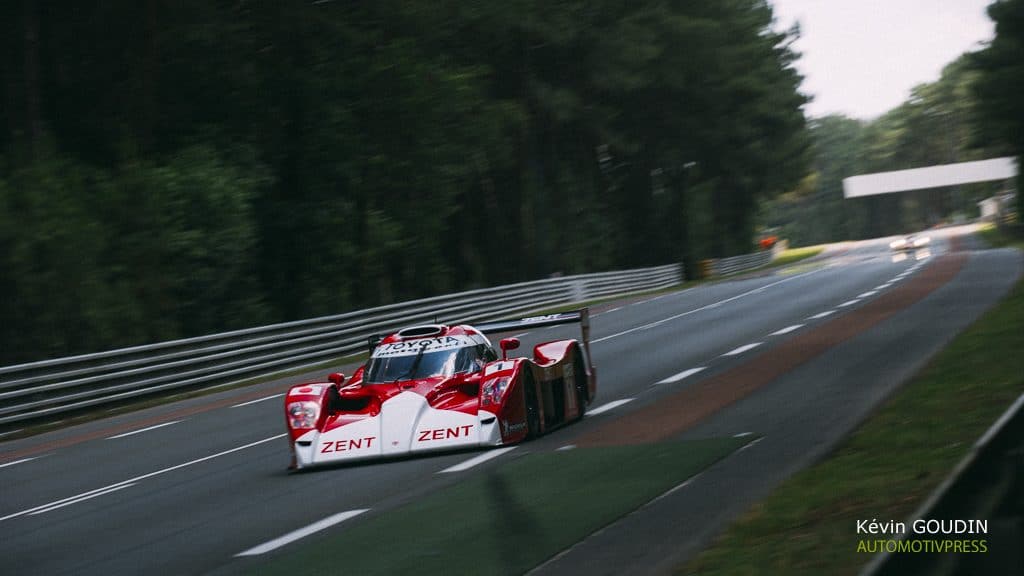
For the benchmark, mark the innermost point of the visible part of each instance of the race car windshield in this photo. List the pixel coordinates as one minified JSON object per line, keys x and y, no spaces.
{"x":422,"y":365}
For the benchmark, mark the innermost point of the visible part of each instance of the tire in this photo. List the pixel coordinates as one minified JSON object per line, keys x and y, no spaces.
{"x":579,"y":373}
{"x":530,"y":396}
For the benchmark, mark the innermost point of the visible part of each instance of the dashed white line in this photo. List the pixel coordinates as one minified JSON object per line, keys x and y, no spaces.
{"x":751,"y":445}
{"x":17,"y":462}
{"x":868,"y":293}
{"x":145,"y":476}
{"x":702,"y":308}
{"x":787,"y":330}
{"x":609,"y":406}
{"x":681,"y":375}
{"x":258,"y":400}
{"x":489,"y":455}
{"x":69,"y":502}
{"x":566,"y":447}
{"x":821,"y":314}
{"x":883,"y":286}
{"x":849,"y":303}
{"x":302,"y":532}
{"x":742,"y":434}
{"x":743,"y":349}
{"x":134,"y":432}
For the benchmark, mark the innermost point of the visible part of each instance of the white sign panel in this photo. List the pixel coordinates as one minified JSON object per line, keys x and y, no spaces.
{"x":930,"y":177}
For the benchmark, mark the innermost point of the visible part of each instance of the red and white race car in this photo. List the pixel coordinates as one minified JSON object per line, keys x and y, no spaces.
{"x":438,"y":387}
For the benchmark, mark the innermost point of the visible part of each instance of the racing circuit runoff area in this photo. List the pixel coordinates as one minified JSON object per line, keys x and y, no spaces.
{"x":707,"y":399}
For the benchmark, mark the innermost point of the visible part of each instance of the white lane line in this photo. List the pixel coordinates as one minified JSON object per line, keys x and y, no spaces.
{"x":742,"y":434}
{"x":258,"y":400}
{"x":751,"y":445}
{"x":566,"y":447}
{"x":609,"y":406}
{"x":81,"y":499}
{"x":787,"y":330}
{"x":883,"y":286}
{"x":868,"y":293}
{"x":11,"y":432}
{"x":489,"y":455}
{"x":742,"y":349}
{"x":616,"y":309}
{"x":302,"y":532}
{"x":702,"y":308}
{"x":145,"y":476}
{"x":140,"y":431}
{"x":849,"y":303}
{"x":520,"y":335}
{"x":681,"y":375}
{"x":5,"y":464}
{"x":821,"y":314}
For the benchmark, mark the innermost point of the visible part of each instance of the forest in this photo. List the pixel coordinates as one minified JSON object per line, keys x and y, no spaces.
{"x":172,"y":169}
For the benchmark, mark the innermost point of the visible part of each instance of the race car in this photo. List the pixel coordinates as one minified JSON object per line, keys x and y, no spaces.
{"x":439,"y":387}
{"x":910,"y":242}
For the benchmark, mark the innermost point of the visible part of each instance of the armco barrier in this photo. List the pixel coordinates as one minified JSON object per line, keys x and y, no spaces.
{"x":725,"y":266}
{"x":40,"y":390}
{"x":987,"y":484}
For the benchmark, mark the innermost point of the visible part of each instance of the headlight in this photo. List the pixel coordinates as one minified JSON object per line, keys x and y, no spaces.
{"x":302,"y":414}
{"x":493,"y":391}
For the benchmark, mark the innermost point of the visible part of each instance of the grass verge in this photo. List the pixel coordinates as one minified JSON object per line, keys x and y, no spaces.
{"x":997,"y":238}
{"x":796,"y":254}
{"x":889,"y":466}
{"x":509,"y":519}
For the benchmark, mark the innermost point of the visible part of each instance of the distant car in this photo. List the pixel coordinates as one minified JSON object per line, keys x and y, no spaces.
{"x":438,"y":387}
{"x":911,"y":242}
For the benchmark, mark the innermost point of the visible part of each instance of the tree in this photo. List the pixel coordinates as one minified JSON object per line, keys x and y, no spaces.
{"x":1002,"y":82}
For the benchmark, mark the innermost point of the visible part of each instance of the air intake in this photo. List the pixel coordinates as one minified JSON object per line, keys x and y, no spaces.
{"x":421,"y":331}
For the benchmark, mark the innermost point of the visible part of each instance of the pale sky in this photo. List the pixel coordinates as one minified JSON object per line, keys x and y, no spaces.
{"x":862,"y":57}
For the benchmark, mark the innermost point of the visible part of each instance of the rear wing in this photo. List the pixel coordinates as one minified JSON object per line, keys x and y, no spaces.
{"x":582,"y":316}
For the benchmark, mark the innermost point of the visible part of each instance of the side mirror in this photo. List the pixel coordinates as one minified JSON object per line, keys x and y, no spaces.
{"x":508,"y":344}
{"x":337,"y":378}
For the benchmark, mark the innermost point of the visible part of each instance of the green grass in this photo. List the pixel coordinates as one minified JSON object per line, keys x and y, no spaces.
{"x":997,"y":238}
{"x":795,"y":255}
{"x":889,"y":466}
{"x":509,"y":519}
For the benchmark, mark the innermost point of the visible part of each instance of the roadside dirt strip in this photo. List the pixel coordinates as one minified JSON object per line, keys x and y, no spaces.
{"x":674,"y":414}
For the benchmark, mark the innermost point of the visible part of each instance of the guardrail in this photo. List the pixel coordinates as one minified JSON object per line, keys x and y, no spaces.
{"x":41,"y":390}
{"x":987,"y":484}
{"x":724,"y":266}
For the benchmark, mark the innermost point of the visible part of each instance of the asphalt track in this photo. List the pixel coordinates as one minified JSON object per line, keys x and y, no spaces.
{"x":199,"y":486}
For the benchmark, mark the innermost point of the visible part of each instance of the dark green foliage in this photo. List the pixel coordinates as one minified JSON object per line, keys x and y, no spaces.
{"x":175,"y":169}
{"x":1001,"y":69}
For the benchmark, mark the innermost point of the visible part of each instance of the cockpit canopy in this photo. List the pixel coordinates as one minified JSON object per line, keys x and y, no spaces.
{"x":397,"y":359}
